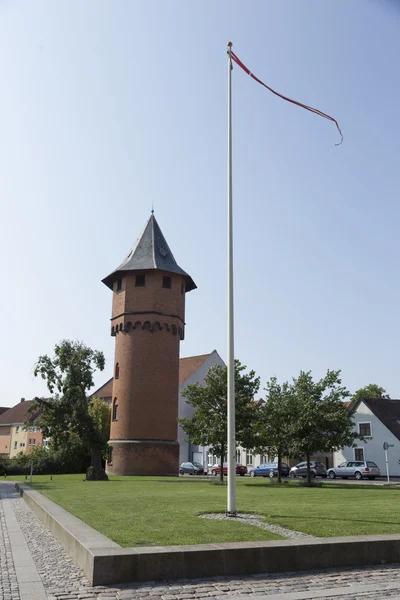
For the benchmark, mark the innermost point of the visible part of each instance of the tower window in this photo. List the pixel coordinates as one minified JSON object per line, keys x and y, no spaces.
{"x":109,"y":457}
{"x":119,"y":285}
{"x":166,"y":282}
{"x":115,"y":410}
{"x":117,"y":371}
{"x":139,"y":281}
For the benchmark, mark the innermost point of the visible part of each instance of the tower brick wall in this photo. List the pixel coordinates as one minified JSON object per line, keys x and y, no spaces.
{"x":148,"y":320}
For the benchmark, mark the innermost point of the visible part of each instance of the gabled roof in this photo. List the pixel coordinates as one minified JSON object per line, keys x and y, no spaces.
{"x":386,"y":410}
{"x":18,"y":414}
{"x":190,"y":364}
{"x":187,"y":366}
{"x":105,"y":391}
{"x":150,"y":251}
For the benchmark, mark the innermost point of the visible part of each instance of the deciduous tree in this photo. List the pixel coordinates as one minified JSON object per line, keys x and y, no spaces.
{"x":208,"y":425}
{"x":322,"y":421}
{"x":275,"y":421}
{"x":69,"y":377}
{"x":372,"y":390}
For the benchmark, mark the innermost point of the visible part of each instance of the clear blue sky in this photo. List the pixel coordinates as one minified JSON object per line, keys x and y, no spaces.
{"x":109,"y":107}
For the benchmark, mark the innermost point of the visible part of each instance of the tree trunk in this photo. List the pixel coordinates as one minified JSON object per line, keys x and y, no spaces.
{"x":96,"y":472}
{"x":308,"y":470}
{"x":279,"y":466}
{"x":221,"y":464}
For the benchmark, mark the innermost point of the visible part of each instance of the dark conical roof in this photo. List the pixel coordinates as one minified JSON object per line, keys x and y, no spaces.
{"x":150,"y":251}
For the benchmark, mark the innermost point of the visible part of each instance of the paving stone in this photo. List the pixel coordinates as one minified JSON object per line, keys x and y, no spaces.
{"x":64,"y":581}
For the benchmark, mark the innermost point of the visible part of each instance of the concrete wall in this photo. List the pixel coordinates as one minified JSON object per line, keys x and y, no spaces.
{"x":373,"y":449}
{"x":186,"y":411}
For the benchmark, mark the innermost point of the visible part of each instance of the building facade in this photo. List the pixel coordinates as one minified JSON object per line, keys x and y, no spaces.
{"x":148,"y":322}
{"x":378,"y":421}
{"x":18,"y":431}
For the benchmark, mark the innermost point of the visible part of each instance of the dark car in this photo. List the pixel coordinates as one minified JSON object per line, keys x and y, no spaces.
{"x":270,"y":470}
{"x":193,"y":468}
{"x":240,"y":469}
{"x":318,"y":469}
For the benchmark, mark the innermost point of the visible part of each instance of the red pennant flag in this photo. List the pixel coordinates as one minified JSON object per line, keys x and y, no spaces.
{"x":310,"y":108}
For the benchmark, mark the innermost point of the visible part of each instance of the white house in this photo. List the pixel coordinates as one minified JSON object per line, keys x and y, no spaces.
{"x":379,"y":420}
{"x":193,"y":369}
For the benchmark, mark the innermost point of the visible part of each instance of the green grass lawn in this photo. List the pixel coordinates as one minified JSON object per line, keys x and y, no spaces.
{"x":163,"y":511}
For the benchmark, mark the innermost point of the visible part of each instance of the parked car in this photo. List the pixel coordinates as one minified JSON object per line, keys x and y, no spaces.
{"x":355,"y":468}
{"x":240,"y":469}
{"x":318,"y":469}
{"x":193,"y":468}
{"x":270,"y":470}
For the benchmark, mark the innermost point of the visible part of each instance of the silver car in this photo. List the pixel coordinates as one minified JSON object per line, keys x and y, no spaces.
{"x":317,"y":469}
{"x":355,"y":468}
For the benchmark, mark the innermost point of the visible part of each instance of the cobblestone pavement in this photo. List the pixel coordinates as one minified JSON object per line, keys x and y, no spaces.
{"x":64,"y":581}
{"x":8,"y":578}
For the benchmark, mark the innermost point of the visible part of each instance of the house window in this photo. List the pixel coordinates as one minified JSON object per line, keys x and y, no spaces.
{"x":140,"y":281}
{"x":166,"y":282}
{"x":117,"y":371}
{"x":364,"y":429}
{"x":210,"y":459}
{"x":263,"y":458}
{"x":119,"y":285}
{"x":15,"y":445}
{"x":238,"y":456}
{"x":33,"y":441}
{"x":249,"y":457}
{"x":30,"y":429}
{"x":115,"y":410}
{"x":17,"y":429}
{"x":109,"y":457}
{"x":358,"y":453}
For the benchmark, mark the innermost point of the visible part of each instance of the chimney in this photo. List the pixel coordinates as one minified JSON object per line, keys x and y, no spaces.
{"x":22,"y":399}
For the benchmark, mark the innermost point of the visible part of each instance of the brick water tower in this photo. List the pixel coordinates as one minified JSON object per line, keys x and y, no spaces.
{"x":148,"y":322}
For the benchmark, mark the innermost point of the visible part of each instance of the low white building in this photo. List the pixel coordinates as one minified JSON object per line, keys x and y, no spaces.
{"x":379,"y":420}
{"x":193,"y":369}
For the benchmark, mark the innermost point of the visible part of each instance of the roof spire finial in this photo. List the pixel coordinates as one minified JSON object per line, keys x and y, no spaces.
{"x":152,"y":208}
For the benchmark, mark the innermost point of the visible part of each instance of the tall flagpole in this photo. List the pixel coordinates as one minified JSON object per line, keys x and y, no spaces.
{"x":231,"y":354}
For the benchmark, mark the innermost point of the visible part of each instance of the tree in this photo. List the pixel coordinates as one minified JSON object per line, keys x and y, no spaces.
{"x":322,"y":421}
{"x":208,"y":425}
{"x":69,"y":376}
{"x":101,"y":415}
{"x":372,"y":390}
{"x":274,"y":421}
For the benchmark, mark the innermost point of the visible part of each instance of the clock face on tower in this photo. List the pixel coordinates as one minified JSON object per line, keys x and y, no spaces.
{"x":162,"y":251}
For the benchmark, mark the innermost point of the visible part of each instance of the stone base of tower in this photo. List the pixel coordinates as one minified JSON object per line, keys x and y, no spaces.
{"x":143,"y":457}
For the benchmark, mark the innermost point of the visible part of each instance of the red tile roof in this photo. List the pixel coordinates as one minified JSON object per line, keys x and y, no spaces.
{"x":188,"y":365}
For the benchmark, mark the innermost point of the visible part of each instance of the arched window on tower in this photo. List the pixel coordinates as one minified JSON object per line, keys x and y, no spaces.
{"x":115,"y":410}
{"x":117,"y":371}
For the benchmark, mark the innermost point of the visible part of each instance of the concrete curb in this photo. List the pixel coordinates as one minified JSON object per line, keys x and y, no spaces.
{"x":105,"y":562}
{"x":78,"y":539}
